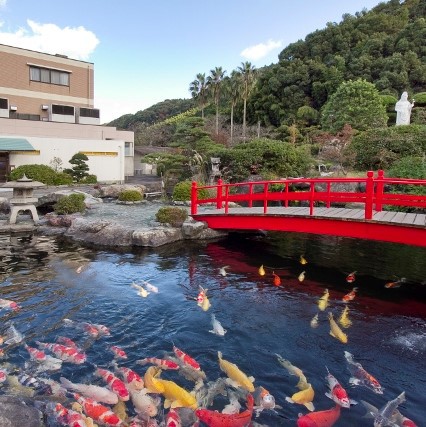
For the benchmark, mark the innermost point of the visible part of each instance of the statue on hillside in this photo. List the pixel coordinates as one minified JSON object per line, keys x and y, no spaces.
{"x":403,"y":110}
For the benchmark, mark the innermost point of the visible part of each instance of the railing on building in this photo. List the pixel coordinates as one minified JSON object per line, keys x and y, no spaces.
{"x":373,"y":192}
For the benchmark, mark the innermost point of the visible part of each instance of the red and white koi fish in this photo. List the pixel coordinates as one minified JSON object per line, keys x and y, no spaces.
{"x":396,"y":284}
{"x":162,"y":363}
{"x":36,"y":354}
{"x":202,"y":300}
{"x":337,"y":393}
{"x":187,"y":360}
{"x":65,"y":416}
{"x":92,"y":329}
{"x":95,"y":392}
{"x":66,"y":341}
{"x":277,"y":279}
{"x":350,"y":296}
{"x":118,"y":352}
{"x":360,"y":376}
{"x":325,"y":418}
{"x":114,"y":383}
{"x":152,"y":288}
{"x":214,"y":418}
{"x":131,"y":378}
{"x":98,"y":412}
{"x":7,"y":303}
{"x":350,"y":278}
{"x":3,"y":375}
{"x":173,"y":418}
{"x":402,"y":420}
{"x":63,"y":352}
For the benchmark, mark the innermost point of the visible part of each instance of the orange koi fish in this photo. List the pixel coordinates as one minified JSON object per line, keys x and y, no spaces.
{"x":187,"y":360}
{"x":67,"y":354}
{"x":162,"y":363}
{"x":396,"y":284}
{"x":114,"y":383}
{"x":350,"y":296}
{"x":98,"y":412}
{"x":277,"y":280}
{"x":325,"y":418}
{"x":6,"y":303}
{"x":119,"y":353}
{"x":214,"y":418}
{"x":66,"y":341}
{"x":350,"y":278}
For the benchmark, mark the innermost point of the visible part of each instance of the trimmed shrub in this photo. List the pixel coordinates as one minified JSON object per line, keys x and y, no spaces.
{"x":89,"y":179}
{"x":171,"y":215}
{"x":62,"y":178}
{"x":130,"y":196}
{"x":182,"y":191}
{"x":70,"y":204}
{"x":41,"y":173}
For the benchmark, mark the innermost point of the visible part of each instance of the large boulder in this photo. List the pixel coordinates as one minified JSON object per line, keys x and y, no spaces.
{"x":51,"y":198}
{"x":192,"y":228}
{"x":15,"y":412}
{"x":114,"y":190}
{"x":158,"y":236}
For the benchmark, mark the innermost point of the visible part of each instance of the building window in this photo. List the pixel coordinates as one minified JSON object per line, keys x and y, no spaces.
{"x":127,"y":148}
{"x":4,"y":104}
{"x":66,"y":110}
{"x":45,"y":75}
{"x":89,"y":112}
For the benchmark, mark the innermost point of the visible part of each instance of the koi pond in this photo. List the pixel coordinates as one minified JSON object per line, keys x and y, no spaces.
{"x":51,"y":279}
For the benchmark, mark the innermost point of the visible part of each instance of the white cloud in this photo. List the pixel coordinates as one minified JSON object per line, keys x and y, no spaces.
{"x":3,"y":3}
{"x":260,"y":50}
{"x":77,"y":42}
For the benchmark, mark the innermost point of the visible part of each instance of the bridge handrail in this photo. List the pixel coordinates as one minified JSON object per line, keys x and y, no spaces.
{"x":375,"y":195}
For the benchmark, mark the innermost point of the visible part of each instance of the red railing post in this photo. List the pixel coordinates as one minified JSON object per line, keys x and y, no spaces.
{"x":311,"y":201}
{"x":379,"y":190}
{"x":194,"y":198}
{"x":328,"y":194}
{"x":250,"y":194}
{"x":219,"y":194}
{"x":265,"y":195}
{"x":369,"y":194}
{"x":286,"y":195}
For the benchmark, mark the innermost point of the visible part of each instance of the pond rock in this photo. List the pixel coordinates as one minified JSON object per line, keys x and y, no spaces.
{"x":157,"y":236}
{"x":15,"y":412}
{"x":115,"y":189}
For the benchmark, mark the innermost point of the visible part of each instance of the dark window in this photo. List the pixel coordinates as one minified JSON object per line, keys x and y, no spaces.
{"x":45,"y":75}
{"x":3,"y":104}
{"x":34,"y":117}
{"x":89,"y":112}
{"x":66,"y":110}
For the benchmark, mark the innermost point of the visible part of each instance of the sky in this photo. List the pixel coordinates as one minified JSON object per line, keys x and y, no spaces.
{"x":145,"y":52}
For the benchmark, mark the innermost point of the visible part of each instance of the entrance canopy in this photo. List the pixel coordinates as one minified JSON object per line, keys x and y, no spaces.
{"x":15,"y":144}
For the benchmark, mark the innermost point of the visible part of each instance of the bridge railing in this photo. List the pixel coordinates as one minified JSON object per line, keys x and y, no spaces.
{"x":370,"y":192}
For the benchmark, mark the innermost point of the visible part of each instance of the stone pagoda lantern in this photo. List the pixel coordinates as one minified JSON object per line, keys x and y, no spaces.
{"x":23,"y":198}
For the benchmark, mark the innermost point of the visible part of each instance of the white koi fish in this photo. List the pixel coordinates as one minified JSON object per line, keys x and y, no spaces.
{"x":141,"y":290}
{"x":217,"y":327}
{"x":222,"y":270}
{"x":384,"y":416}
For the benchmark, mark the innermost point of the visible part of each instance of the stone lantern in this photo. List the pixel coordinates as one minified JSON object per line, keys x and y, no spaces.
{"x":23,"y":198}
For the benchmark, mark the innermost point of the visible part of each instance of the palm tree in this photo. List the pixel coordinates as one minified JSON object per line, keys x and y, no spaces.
{"x":233,"y":89}
{"x":248,"y":73}
{"x":198,"y":89}
{"x":214,"y":81}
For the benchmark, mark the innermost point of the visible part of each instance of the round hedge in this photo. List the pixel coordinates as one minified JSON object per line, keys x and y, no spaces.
{"x":171,"y":215}
{"x":41,"y":173}
{"x":182,"y":191}
{"x":70,"y":204}
{"x":130,"y":196}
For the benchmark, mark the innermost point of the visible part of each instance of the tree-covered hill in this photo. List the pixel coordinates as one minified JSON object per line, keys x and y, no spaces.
{"x":385,"y":46}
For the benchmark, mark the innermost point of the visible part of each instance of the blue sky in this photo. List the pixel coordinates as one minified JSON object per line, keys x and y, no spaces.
{"x":147,"y":51}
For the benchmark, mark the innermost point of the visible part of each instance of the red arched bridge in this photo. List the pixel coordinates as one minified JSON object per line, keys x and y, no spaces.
{"x":372,"y":208}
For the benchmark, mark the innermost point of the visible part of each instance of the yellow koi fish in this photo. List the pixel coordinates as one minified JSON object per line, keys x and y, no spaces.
{"x":303,"y":397}
{"x":141,"y":290}
{"x":314,"y":321}
{"x":261,"y":270}
{"x":335,"y":331}
{"x":323,"y":301}
{"x":302,"y":260}
{"x":344,"y":320}
{"x":151,"y":383}
{"x":294,"y":370}
{"x":301,"y":277}
{"x":176,"y":396}
{"x":234,"y":373}
{"x":202,"y":300}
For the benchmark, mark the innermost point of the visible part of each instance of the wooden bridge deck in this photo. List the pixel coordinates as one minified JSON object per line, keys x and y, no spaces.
{"x":384,"y":217}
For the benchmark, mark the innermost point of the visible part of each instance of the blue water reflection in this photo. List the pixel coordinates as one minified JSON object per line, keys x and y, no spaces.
{"x":53,"y":280}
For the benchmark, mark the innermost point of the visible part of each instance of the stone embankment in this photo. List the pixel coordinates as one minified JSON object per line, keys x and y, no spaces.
{"x":105,"y":222}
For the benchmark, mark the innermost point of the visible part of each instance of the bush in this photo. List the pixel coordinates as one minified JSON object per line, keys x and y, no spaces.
{"x":70,"y":204}
{"x":62,"y":178}
{"x":89,"y":179}
{"x":41,"y":173}
{"x":130,"y":196}
{"x":182,"y":191}
{"x":171,"y":215}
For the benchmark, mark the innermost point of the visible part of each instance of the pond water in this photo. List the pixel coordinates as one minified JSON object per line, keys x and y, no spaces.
{"x":52,"y":279}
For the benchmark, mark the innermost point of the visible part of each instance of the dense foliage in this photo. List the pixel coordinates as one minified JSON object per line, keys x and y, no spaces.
{"x":171,"y":215}
{"x":41,"y":173}
{"x":70,"y":204}
{"x":182,"y":191}
{"x":380,"y":148}
{"x":408,"y":167}
{"x":130,"y":196}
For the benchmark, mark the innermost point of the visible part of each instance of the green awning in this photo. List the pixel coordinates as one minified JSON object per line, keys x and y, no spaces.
{"x":15,"y":144}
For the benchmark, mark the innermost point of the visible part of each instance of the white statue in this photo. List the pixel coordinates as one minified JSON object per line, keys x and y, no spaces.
{"x":403,"y":110}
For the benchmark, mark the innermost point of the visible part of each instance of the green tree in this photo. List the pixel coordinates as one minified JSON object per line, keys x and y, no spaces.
{"x":233,"y":90}
{"x":198,"y":89}
{"x":214,"y":82}
{"x":248,"y":73}
{"x":356,"y":103}
{"x":80,"y":170}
